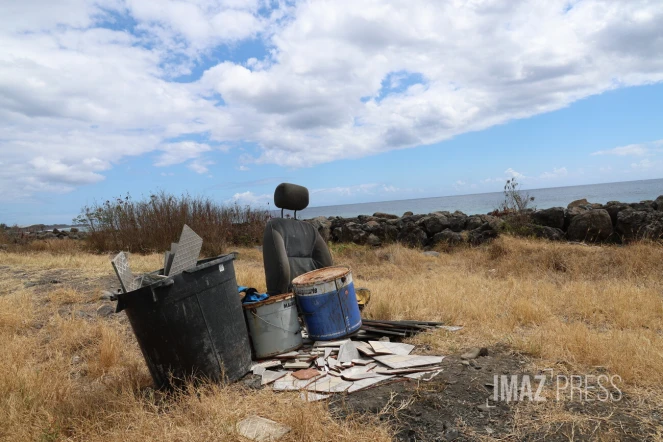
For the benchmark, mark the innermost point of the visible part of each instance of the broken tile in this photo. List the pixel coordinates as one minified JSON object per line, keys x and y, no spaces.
{"x":310,"y":396}
{"x":366,"y":349}
{"x":407,"y":361}
{"x":328,"y":352}
{"x":309,"y":373}
{"x":329,"y":384}
{"x":259,"y":370}
{"x":260,"y":429}
{"x":348,"y":352}
{"x":320,"y":363}
{"x":332,"y":362}
{"x":346,"y":364}
{"x":289,"y":383}
{"x":330,"y":343}
{"x":362,"y":361}
{"x":266,"y":364}
{"x":270,"y":376}
{"x":424,"y":375}
{"x":358,"y":376}
{"x":289,"y":355}
{"x":397,"y":371}
{"x":296,"y":365}
{"x":365,"y":383}
{"x":393,"y":348}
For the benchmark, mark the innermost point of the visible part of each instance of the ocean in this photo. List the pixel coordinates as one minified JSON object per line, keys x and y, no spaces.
{"x":482,"y":203}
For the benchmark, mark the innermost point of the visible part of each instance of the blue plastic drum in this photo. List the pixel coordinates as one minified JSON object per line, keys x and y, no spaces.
{"x":327,"y":301}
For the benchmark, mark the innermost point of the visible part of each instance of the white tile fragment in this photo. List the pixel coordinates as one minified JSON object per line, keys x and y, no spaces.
{"x":393,"y":348}
{"x":260,"y":429}
{"x":270,"y":376}
{"x":407,"y":361}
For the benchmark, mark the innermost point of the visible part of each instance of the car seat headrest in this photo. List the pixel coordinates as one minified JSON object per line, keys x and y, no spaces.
{"x":291,"y":197}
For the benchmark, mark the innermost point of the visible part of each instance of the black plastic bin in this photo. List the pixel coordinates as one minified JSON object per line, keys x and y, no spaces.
{"x":191,"y":324}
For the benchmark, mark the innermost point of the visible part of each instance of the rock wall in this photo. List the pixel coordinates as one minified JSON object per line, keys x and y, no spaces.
{"x":580,"y":221}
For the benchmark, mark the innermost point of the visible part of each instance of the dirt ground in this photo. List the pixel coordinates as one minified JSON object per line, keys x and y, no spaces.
{"x":458,"y":404}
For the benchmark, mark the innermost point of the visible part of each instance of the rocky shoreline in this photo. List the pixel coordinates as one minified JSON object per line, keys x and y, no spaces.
{"x":581,"y":221}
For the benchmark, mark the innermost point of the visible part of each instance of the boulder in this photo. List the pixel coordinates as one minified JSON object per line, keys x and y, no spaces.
{"x":322,"y":225}
{"x":389,"y":233}
{"x":407,"y":214}
{"x":571,"y":213}
{"x":412,"y":235}
{"x":447,"y":236}
{"x":577,"y":203}
{"x":553,"y":217}
{"x":373,"y":240}
{"x":592,"y":225}
{"x":474,"y":222}
{"x":457,"y":221}
{"x":658,"y":203}
{"x":352,"y":232}
{"x":636,"y":224}
{"x":647,"y":206}
{"x":613,"y":208}
{"x":482,"y":235}
{"x":433,"y":224}
{"x":385,"y":215}
{"x":547,"y":232}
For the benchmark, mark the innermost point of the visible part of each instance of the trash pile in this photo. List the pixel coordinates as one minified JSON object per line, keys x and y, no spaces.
{"x":322,"y":345}
{"x":322,"y":368}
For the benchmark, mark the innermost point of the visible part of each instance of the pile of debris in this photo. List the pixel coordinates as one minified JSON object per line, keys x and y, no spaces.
{"x":322,"y":368}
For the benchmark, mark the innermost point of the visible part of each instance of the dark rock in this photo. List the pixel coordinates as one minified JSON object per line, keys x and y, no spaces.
{"x":373,"y":240}
{"x":647,"y":206}
{"x":546,"y":232}
{"x":371,"y":225}
{"x":613,"y":208}
{"x":571,"y":213}
{"x":352,"y":232}
{"x":322,"y":225}
{"x":105,"y":311}
{"x":658,"y":203}
{"x":74,"y":237}
{"x":433,"y":224}
{"x":73,"y":230}
{"x":639,"y":224}
{"x":482,"y":235}
{"x":457,"y":221}
{"x":577,"y":203}
{"x":412,"y":235}
{"x":337,"y":233}
{"x":389,"y":233}
{"x":385,"y":215}
{"x":55,"y":231}
{"x":448,"y":236}
{"x":474,"y":222}
{"x":592,"y":225}
{"x":407,"y":214}
{"x":553,"y":217}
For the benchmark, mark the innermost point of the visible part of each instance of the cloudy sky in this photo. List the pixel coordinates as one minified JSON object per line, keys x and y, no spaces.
{"x":358,"y":100}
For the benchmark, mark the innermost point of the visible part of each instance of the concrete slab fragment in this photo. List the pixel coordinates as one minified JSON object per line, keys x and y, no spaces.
{"x":310,"y":396}
{"x":188,"y":250}
{"x":270,"y":376}
{"x":408,"y":361}
{"x":393,"y":348}
{"x":308,"y":373}
{"x":365,"y":383}
{"x":260,"y":429}
{"x":329,"y":384}
{"x":348,"y":352}
{"x":296,"y":365}
{"x":289,"y":383}
{"x":330,"y":343}
{"x":424,"y":375}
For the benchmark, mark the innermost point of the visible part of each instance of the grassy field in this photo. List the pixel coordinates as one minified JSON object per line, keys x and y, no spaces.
{"x":68,"y":374}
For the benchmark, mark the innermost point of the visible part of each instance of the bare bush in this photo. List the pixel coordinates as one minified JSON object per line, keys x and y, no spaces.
{"x":151,"y":225}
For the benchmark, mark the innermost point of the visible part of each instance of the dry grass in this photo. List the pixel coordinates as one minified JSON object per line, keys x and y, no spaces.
{"x":67,"y":375}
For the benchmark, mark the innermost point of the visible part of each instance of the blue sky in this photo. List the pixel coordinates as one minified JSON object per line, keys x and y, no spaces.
{"x":365,"y":101}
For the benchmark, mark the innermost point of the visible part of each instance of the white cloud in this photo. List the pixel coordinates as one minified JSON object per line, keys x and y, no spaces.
{"x":556,"y":173}
{"x":249,"y":198}
{"x":72,"y":92}
{"x":643,"y":164}
{"x":176,"y":153}
{"x":630,"y":150}
{"x":513,"y":174}
{"x":200,"y":166}
{"x":243,"y":168}
{"x":348,"y":190}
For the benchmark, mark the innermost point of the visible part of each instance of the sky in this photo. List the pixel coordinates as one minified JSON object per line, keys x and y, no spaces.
{"x":358,"y":100}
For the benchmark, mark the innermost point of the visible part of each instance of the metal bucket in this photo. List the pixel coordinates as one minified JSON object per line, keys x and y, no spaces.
{"x":274,"y":325}
{"x":328,"y":303}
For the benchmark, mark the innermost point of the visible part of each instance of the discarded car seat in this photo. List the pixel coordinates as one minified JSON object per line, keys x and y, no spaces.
{"x":291,"y":247}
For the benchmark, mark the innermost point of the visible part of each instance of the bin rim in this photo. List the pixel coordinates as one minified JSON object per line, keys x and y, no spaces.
{"x":170,"y":280}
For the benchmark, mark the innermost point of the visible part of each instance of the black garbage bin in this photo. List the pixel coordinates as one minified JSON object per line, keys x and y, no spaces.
{"x":191,"y":324}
